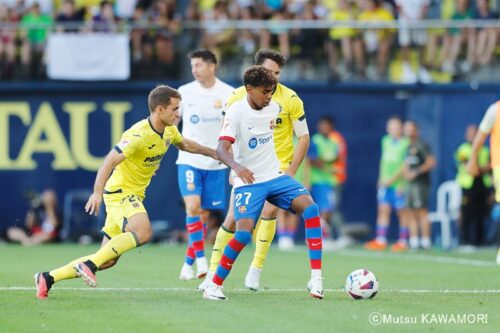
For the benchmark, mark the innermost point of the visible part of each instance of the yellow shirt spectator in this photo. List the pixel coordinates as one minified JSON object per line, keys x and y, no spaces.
{"x":380,"y":14}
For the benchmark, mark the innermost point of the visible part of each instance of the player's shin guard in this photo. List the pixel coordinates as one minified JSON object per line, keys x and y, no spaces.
{"x":67,"y":271}
{"x":190,"y":256}
{"x":195,"y":232}
{"x":114,"y":248}
{"x":221,"y":240}
{"x":313,"y":235}
{"x":264,"y":238}
{"x":231,"y":252}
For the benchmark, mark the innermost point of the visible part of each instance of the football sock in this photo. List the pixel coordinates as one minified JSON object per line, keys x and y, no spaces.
{"x":382,"y":233}
{"x":223,"y":237}
{"x":189,"y":255}
{"x":67,"y":271}
{"x":114,"y":248}
{"x":414,"y":242}
{"x":231,"y":251}
{"x":313,"y":235}
{"x":403,"y":234}
{"x":263,"y":241}
{"x":195,"y":232}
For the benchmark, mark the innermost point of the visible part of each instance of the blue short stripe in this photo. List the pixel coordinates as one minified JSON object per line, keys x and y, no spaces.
{"x":230,"y":253}
{"x":313,"y":233}
{"x":221,"y":272}
{"x":192,"y":219}
{"x":196,"y":236}
{"x":315,"y":254}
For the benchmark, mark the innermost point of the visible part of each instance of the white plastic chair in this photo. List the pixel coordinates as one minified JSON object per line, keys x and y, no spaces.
{"x":449,"y":197}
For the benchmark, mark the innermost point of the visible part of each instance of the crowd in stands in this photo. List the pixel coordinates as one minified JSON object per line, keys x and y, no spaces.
{"x":158,"y":37}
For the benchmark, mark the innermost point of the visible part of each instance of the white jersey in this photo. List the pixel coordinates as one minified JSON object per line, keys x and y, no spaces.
{"x":251,"y":132}
{"x":489,"y":119}
{"x":411,"y":9}
{"x":202,"y":119}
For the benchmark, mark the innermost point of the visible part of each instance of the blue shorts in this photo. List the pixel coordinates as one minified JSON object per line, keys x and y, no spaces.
{"x":210,"y":185}
{"x":391,"y":197}
{"x":281,"y":191}
{"x":324,"y":196}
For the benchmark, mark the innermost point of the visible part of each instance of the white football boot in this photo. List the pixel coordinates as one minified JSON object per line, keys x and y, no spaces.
{"x":315,"y":287}
{"x":201,"y":267}
{"x":187,"y":272}
{"x":206,"y":281}
{"x":252,"y":279}
{"x":214,"y":293}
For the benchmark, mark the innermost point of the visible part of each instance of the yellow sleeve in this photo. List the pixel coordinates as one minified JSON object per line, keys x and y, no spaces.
{"x":175,"y":135}
{"x":296,"y":107}
{"x":237,"y":95}
{"x":129,"y":144}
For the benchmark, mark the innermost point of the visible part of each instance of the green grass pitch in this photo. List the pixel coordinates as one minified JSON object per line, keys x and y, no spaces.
{"x":143,"y":294}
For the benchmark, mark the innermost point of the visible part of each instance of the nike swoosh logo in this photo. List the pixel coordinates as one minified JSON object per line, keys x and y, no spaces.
{"x":315,"y":244}
{"x":250,"y":127}
{"x":191,"y":104}
{"x":216,"y":203}
{"x":302,"y":190}
{"x":151,"y":147}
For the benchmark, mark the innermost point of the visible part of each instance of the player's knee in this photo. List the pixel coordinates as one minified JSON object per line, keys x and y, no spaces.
{"x":311,"y":211}
{"x":229,"y":223}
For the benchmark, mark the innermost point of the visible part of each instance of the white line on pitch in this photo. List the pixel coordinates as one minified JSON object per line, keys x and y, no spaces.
{"x":418,"y":257}
{"x":403,"y":291}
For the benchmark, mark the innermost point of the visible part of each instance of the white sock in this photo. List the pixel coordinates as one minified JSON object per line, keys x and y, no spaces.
{"x":316,"y":273}
{"x":381,"y":239}
{"x":414,"y":242}
{"x":425,"y":242}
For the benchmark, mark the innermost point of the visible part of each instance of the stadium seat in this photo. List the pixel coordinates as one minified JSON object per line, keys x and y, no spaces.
{"x":449,"y":196}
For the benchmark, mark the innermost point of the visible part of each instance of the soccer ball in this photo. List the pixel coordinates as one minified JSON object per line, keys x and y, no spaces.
{"x":361,"y":284}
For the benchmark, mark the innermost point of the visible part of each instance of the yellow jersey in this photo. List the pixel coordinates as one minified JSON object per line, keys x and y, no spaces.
{"x":292,"y":109}
{"x":143,"y":149}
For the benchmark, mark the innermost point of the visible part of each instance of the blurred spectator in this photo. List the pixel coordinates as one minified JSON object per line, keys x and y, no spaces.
{"x":70,"y":15}
{"x":309,"y":41}
{"x":166,"y":22}
{"x":410,"y":11}
{"x":460,"y":37}
{"x":346,"y":39}
{"x":125,"y":8}
{"x":486,"y":38}
{"x":43,"y":221}
{"x":105,"y":20}
{"x":438,"y":41}
{"x":46,"y":6}
{"x":142,"y":46}
{"x":34,"y":39}
{"x":277,"y":35}
{"x":475,"y":190}
{"x":377,"y":41}
{"x":248,"y":38}
{"x":216,"y":38}
{"x":7,"y":43}
{"x":419,"y":162}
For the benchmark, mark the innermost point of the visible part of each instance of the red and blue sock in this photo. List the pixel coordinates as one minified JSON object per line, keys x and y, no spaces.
{"x":231,"y":251}
{"x":382,"y":232}
{"x":195,"y":233}
{"x":190,"y":256}
{"x":314,"y":237}
{"x":403,"y":234}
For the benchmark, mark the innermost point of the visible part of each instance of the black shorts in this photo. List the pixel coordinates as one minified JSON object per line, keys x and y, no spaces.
{"x":417,"y":195}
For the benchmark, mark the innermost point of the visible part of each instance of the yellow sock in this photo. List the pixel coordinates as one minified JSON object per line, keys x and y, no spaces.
{"x":265,"y":236}
{"x":223,"y":237}
{"x":67,"y":271}
{"x":114,"y":248}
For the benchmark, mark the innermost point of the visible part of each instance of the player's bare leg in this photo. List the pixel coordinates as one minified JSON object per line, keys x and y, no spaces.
{"x":383,"y":219}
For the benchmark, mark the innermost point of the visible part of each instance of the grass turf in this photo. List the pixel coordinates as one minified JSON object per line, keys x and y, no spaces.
{"x":411,"y":286}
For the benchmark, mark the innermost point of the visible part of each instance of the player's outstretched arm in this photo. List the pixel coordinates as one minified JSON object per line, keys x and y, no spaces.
{"x":110,"y":162}
{"x":193,"y":147}
{"x":225,"y":155}
{"x":472,"y":165}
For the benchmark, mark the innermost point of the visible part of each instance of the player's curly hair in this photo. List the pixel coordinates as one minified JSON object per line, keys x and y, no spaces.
{"x":273,"y":55}
{"x":258,"y":76}
{"x":161,"y":96}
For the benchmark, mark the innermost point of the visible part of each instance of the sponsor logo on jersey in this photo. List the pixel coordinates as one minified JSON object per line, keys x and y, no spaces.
{"x":252,"y":143}
{"x":195,"y":119}
{"x":153,"y":158}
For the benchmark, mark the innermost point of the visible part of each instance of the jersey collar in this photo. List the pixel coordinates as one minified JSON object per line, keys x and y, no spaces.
{"x":160,"y":134}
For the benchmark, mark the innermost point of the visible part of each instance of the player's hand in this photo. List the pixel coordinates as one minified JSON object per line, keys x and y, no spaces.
{"x":411,"y":174}
{"x":93,"y":204}
{"x":245,"y":174}
{"x":472,"y":168}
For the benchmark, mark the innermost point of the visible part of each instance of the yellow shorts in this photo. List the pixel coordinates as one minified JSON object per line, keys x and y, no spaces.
{"x":119,"y":207}
{"x":496,"y":183}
